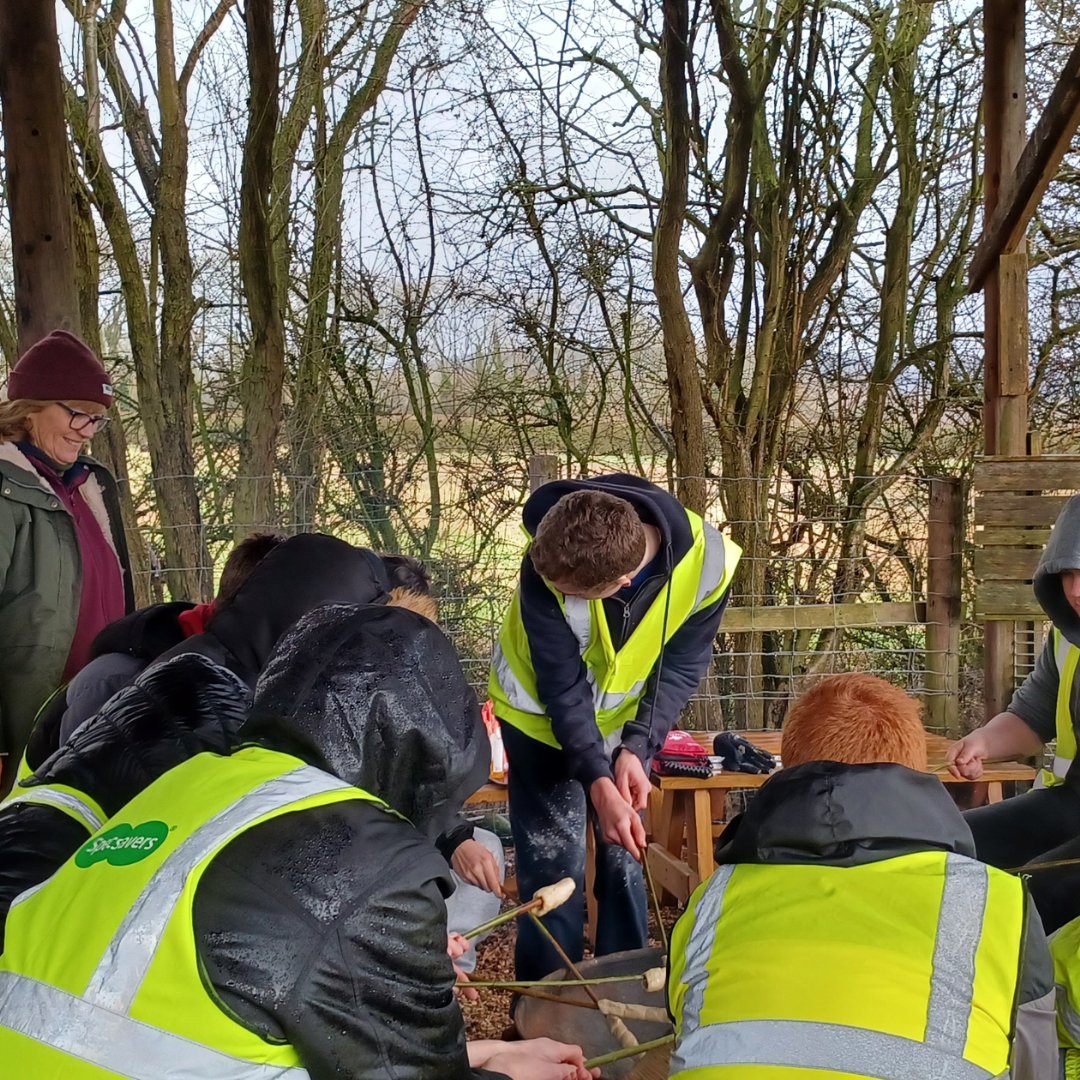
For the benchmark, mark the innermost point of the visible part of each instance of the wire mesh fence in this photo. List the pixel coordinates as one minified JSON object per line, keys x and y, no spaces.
{"x":827,"y":582}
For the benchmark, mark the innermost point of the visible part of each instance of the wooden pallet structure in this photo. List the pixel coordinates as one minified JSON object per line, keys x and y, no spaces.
{"x":1017,"y":501}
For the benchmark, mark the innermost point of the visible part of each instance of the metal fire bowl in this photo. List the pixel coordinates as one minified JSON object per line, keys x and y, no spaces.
{"x":587,"y":1028}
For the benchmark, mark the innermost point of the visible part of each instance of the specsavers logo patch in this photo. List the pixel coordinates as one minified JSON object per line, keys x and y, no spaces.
{"x":123,"y":845}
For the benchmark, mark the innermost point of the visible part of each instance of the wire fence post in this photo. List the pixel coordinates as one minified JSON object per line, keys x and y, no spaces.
{"x":543,"y":468}
{"x":943,"y":605}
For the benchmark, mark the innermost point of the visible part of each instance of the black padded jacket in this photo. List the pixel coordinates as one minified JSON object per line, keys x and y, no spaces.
{"x":326,"y":927}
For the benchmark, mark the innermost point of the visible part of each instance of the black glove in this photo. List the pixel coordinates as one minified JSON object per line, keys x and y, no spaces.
{"x":741,"y":755}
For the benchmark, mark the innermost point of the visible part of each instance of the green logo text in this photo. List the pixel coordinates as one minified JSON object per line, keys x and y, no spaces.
{"x":123,"y":845}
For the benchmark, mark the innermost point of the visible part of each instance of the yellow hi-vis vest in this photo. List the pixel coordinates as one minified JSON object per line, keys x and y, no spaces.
{"x":900,"y":969}
{"x":1066,"y":656}
{"x":618,"y":678}
{"x":100,"y":976}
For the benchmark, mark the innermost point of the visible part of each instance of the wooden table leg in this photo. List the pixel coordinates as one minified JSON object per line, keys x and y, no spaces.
{"x":654,"y":813}
{"x":669,"y":825}
{"x":700,"y":840}
{"x":993,"y":792}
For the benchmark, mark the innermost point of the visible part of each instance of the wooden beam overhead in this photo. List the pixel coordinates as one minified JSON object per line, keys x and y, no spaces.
{"x":1038,"y":163}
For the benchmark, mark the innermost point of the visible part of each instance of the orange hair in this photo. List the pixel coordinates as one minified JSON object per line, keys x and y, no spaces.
{"x":856,"y":719}
{"x":422,"y":603}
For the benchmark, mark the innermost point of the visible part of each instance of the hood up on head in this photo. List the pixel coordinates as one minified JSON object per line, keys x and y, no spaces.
{"x":1062,"y":552}
{"x":376,"y":696}
{"x":168,"y":714}
{"x":299,"y":575}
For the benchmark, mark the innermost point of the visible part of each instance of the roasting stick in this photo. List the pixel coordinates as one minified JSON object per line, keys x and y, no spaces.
{"x":628,"y":1051}
{"x":1053,"y":864}
{"x":944,"y":766}
{"x":544,"y":901}
{"x":622,"y":1034}
{"x":653,"y":980}
{"x":654,"y":897}
{"x":625,"y":1010}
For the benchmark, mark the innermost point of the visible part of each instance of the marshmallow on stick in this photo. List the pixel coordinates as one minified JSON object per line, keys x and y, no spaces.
{"x":544,"y":901}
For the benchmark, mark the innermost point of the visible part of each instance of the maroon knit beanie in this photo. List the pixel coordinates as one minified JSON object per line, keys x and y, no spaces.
{"x":60,"y":367}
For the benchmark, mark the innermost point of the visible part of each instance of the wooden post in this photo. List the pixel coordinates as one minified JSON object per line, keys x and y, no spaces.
{"x":944,"y":566}
{"x":543,"y":468}
{"x":1005,"y":296}
{"x":38,"y":176}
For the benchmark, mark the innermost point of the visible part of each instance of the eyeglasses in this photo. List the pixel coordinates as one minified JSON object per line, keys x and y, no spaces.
{"x":80,"y":421}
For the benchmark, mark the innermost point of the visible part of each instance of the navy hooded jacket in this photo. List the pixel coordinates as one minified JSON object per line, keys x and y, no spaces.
{"x":561,"y":680}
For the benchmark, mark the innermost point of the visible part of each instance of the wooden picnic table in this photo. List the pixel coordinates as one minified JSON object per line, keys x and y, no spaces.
{"x":686,"y":809}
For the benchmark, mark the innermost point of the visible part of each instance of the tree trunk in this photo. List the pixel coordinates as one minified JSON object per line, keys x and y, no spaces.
{"x":38,"y":172}
{"x":680,"y":350}
{"x":167,"y":394}
{"x":110,"y":447}
{"x":305,"y":434}
{"x":263,"y":375}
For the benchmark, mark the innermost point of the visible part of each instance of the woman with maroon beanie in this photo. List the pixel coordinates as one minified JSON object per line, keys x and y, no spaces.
{"x":64,"y":568}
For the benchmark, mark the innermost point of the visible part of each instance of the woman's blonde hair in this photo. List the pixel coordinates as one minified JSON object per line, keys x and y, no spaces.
{"x":14,"y":414}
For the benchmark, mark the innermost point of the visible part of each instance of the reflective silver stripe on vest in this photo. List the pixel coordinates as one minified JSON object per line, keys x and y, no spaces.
{"x":698,"y":949}
{"x":579,"y":619}
{"x":712,"y":563}
{"x":511,"y":685}
{"x":960,"y":924}
{"x":803,"y":1044}
{"x":128,"y":956}
{"x":612,"y":699}
{"x":62,"y":800}
{"x":118,"y":1044}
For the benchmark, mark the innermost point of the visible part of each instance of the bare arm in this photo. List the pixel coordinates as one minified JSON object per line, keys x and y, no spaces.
{"x":1005,"y":736}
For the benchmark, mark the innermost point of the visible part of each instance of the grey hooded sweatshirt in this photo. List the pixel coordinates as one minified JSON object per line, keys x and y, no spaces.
{"x":1036,"y":699}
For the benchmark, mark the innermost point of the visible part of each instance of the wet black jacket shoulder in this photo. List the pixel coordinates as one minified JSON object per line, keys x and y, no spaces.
{"x":561,"y":681}
{"x":327,"y":926}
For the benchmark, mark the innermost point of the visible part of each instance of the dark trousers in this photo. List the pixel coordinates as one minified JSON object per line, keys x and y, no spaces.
{"x":549,"y":813}
{"x":1040,"y":827}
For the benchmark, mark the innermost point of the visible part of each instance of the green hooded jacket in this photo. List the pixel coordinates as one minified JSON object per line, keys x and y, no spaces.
{"x":41,"y":585}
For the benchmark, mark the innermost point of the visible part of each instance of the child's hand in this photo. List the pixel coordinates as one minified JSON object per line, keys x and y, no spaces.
{"x":472,"y":862}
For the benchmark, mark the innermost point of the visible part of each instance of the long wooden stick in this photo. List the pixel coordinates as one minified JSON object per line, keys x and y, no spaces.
{"x":944,"y":766}
{"x":1053,"y":864}
{"x":558,"y":999}
{"x":629,"y":1051}
{"x":514,"y":984}
{"x":625,"y":1010}
{"x":563,"y":955}
{"x":621,"y":1033}
{"x":654,"y":897}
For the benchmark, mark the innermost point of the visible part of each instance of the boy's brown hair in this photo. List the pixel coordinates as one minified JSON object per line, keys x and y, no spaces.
{"x":588,"y":539}
{"x":855,"y":719}
{"x":242,"y":560}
